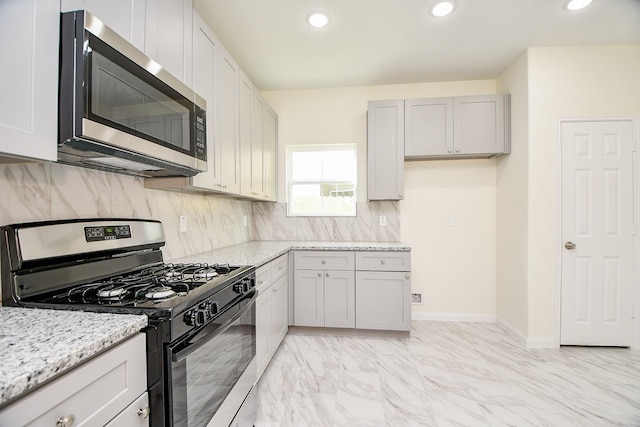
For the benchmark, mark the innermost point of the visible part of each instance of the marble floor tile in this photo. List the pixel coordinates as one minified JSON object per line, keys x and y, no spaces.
{"x":446,"y":374}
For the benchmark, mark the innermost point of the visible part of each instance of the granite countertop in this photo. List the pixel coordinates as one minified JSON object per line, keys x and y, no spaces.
{"x":37,"y":345}
{"x":260,"y":252}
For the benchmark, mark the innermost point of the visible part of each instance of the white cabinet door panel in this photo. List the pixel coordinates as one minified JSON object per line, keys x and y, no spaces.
{"x":339,"y":299}
{"x":308,"y":298}
{"x":383,"y":300}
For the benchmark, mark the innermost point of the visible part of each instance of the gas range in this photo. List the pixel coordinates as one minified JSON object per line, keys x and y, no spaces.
{"x":116,"y":265}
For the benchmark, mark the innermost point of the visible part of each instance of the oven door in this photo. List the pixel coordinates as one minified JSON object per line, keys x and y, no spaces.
{"x":213,"y":369}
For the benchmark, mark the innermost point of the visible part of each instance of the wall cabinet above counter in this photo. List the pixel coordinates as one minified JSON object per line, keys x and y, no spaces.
{"x":459,"y":127}
{"x":242,"y":129}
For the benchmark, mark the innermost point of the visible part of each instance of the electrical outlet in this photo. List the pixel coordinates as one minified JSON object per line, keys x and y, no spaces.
{"x":382,"y":220}
{"x":416,"y":297}
{"x":183,"y":223}
{"x":245,"y":220}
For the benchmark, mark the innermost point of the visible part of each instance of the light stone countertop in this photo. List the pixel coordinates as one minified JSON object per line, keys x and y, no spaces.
{"x":37,"y":345}
{"x":260,"y":252}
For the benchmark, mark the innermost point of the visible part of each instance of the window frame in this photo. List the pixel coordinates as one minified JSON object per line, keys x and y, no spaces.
{"x":290,"y":149}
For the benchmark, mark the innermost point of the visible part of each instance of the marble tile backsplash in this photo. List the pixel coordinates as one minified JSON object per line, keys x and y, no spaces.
{"x":270,"y":222}
{"x":45,"y":191}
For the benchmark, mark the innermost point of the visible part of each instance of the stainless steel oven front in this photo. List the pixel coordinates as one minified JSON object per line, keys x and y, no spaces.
{"x":212,"y":372}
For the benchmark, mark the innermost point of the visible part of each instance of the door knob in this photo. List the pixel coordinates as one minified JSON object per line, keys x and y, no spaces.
{"x":570,"y":245}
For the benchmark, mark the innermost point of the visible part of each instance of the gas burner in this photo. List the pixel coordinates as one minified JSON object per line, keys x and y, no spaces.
{"x":160,"y":293}
{"x":111,"y":293}
{"x":207,"y":273}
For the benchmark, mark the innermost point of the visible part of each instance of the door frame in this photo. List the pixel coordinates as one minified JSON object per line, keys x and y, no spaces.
{"x":558,"y":227}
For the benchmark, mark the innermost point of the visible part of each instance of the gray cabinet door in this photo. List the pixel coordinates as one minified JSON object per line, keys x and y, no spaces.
{"x":339,"y":299}
{"x":428,"y":127}
{"x":308,"y":296}
{"x":481,"y":124}
{"x":279,"y":323}
{"x":383,"y":300}
{"x":263,"y":353}
{"x":385,"y":150}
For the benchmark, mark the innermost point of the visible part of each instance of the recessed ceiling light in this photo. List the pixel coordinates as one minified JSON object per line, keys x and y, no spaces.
{"x":578,"y":4}
{"x":442,"y":8}
{"x":318,"y":19}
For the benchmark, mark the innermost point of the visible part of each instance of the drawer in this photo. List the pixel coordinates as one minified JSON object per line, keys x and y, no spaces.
{"x":94,"y":393}
{"x":278,"y":267}
{"x":324,"y":260}
{"x":383,"y":261}
{"x":263,"y":276}
{"x":135,"y":415}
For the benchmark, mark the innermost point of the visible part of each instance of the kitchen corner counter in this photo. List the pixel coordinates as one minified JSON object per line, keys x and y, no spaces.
{"x":259,"y":252}
{"x":37,"y":345}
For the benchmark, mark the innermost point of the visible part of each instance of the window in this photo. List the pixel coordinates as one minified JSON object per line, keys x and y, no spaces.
{"x":321,"y":180}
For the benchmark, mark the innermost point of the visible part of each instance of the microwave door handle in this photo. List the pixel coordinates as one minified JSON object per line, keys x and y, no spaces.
{"x":183,"y":354}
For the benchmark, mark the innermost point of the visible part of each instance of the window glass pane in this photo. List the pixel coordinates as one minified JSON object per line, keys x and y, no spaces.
{"x":339,"y":165}
{"x":306,"y":165}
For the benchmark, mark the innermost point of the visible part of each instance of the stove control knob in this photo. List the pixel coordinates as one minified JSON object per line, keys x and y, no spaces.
{"x":238,"y":288}
{"x":194,"y":317}
{"x":210,"y":308}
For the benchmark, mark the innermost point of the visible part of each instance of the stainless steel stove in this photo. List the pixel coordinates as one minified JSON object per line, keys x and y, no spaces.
{"x":201,"y":333}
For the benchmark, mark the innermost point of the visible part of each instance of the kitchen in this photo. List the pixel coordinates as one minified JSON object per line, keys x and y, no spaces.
{"x":509,"y":239}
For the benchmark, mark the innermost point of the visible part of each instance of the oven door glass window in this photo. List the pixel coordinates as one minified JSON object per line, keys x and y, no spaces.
{"x":205,"y":367}
{"x":120,"y":97}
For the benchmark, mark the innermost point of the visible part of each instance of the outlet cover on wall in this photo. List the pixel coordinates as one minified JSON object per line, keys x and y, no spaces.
{"x":416,"y":297}
{"x":382,"y":220}
{"x":183,"y":223}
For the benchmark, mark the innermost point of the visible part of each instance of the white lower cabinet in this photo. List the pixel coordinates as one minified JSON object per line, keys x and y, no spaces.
{"x":324,"y":289}
{"x":383,"y":290}
{"x":272,"y":322}
{"x":362,"y":290}
{"x":105,"y":389}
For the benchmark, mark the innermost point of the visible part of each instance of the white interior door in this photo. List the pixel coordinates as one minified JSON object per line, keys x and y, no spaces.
{"x":597,"y":232}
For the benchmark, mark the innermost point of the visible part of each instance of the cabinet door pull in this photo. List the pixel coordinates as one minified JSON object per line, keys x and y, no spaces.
{"x":319,"y":274}
{"x":327,"y":274}
{"x":144,"y":413}
{"x":407,"y":276}
{"x":66,"y":421}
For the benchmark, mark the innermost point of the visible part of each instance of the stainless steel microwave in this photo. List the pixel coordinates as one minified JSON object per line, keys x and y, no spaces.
{"x":121,"y":111}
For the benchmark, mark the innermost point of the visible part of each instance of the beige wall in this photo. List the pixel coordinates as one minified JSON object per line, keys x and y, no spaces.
{"x":512,"y":205}
{"x":585,"y":81}
{"x":454,"y":267}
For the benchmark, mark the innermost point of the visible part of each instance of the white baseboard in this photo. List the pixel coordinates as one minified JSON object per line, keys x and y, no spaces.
{"x":454,"y":317}
{"x":523,"y":339}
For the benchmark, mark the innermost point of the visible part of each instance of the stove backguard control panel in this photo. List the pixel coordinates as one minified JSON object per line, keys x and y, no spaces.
{"x":100,"y":233}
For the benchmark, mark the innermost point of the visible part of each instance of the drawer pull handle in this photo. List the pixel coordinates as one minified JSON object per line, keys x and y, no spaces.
{"x":144,"y":413}
{"x":324,"y":261}
{"x":382,"y":261}
{"x":66,"y":421}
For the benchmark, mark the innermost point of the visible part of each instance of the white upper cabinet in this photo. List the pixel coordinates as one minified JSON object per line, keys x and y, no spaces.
{"x":428,"y":126}
{"x":460,"y":126}
{"x":205,"y":46}
{"x":246,"y":119}
{"x":227,"y":121}
{"x":258,"y":147}
{"x":125,"y":17}
{"x":169,"y":36}
{"x":481,"y":125}
{"x":30,"y":30}
{"x":270,"y":154}
{"x":385,"y":150}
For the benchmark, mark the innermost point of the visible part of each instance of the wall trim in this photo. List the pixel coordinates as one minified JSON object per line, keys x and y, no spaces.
{"x":523,"y":339}
{"x":454,"y":317}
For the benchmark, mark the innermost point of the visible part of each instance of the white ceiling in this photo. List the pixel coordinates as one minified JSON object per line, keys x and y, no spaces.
{"x":370,"y":42}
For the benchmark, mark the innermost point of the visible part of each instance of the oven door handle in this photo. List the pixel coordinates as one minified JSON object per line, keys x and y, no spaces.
{"x":183,"y":354}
